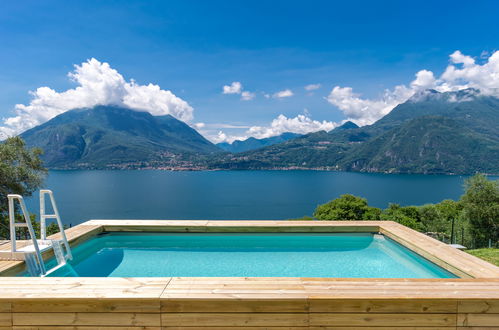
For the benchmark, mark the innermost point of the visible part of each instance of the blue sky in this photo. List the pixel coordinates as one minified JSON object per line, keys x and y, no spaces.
{"x":194,"y":48}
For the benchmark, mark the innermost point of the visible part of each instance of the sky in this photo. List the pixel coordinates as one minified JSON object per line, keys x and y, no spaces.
{"x":234,"y":69}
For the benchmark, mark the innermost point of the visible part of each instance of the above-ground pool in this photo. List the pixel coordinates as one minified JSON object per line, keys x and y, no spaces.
{"x":349,"y":255}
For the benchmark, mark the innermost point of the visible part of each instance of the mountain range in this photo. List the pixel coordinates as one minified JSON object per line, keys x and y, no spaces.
{"x":432,"y":132}
{"x":106,"y":136}
{"x":254,"y":143}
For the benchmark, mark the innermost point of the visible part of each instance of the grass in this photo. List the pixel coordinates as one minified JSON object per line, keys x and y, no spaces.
{"x":490,"y":255}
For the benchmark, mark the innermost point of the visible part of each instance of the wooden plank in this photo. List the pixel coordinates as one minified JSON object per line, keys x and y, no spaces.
{"x":234,"y":306}
{"x":88,"y":319}
{"x":234,"y":319}
{"x":384,"y":328}
{"x":383,"y":306}
{"x":381,"y":320}
{"x":5,"y":319}
{"x":86,"y":305}
{"x":237,"y":328}
{"x":481,"y":320}
{"x":440,"y":253}
{"x":5,"y":306}
{"x":82,"y":288}
{"x":478,"y":306}
{"x":52,"y":327}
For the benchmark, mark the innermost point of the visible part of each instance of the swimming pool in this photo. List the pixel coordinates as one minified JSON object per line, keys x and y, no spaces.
{"x":333,"y":255}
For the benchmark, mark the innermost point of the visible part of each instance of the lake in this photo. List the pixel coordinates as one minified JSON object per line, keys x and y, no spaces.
{"x":154,"y":194}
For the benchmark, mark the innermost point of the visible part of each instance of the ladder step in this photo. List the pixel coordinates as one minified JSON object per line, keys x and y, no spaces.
{"x":54,"y":269}
{"x":49,"y":216}
{"x":20,"y":225}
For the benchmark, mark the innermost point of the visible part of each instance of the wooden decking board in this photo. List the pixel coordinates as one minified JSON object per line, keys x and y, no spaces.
{"x":53,"y":327}
{"x":87,"y":319}
{"x":5,"y":319}
{"x":235,"y":319}
{"x":479,"y":320}
{"x":235,"y":328}
{"x":231,"y":306}
{"x":479,"y":306}
{"x":86,"y":306}
{"x":396,"y":319}
{"x":82,"y":288}
{"x":383,"y":306}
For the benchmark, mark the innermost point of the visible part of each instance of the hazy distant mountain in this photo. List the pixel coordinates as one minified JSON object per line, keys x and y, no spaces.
{"x":454,"y":132}
{"x":105,"y":135}
{"x":253,"y":143}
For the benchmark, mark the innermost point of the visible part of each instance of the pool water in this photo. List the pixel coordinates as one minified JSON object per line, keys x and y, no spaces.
{"x":361,"y":255}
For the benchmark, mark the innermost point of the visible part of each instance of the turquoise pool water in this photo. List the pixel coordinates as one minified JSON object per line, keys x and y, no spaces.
{"x":251,"y":255}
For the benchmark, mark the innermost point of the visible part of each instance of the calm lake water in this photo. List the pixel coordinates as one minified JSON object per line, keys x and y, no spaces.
{"x":151,"y":194}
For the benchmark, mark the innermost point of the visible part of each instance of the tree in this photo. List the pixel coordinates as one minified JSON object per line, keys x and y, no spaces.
{"x":347,"y":207}
{"x":481,"y":208}
{"x":405,"y":215}
{"x":21,"y":172}
{"x":437,"y":219}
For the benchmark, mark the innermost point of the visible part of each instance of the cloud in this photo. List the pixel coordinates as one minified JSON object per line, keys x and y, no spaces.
{"x":237,"y":88}
{"x":312,"y":87}
{"x":199,"y":125}
{"x":247,"y":96}
{"x":282,"y":94}
{"x":97,"y":84}
{"x":301,"y":124}
{"x":234,"y":88}
{"x":220,"y":137}
{"x":364,"y":111}
{"x":461,"y":73}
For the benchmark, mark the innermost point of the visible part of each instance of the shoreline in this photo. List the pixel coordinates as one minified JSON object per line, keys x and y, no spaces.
{"x":208,"y":169}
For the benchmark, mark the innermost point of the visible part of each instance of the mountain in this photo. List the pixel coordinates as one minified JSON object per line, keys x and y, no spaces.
{"x":347,"y":125}
{"x":432,"y":132}
{"x":105,"y":136}
{"x":253,"y":143}
{"x":427,"y":144}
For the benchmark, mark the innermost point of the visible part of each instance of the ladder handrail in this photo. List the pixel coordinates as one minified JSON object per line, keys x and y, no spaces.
{"x":44,"y":216}
{"x":14,"y":225}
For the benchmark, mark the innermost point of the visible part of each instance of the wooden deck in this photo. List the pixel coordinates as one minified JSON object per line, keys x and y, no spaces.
{"x":256,"y":303}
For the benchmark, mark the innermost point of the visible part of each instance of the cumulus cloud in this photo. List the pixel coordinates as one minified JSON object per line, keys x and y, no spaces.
{"x":312,"y":87}
{"x":97,"y":84}
{"x":234,"y":88}
{"x":461,"y":73}
{"x":301,"y":124}
{"x":365,"y":111}
{"x":283,"y":94}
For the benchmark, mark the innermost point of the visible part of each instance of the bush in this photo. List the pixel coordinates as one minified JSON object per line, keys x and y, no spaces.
{"x":347,"y":207}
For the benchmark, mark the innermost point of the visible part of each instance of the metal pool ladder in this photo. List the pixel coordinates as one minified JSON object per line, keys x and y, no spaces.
{"x":32,"y":254}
